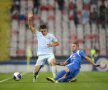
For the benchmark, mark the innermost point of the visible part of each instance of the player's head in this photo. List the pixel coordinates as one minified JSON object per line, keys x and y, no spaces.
{"x":75,"y":46}
{"x":43,"y":29}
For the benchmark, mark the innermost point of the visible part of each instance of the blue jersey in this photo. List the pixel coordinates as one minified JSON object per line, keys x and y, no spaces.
{"x":76,"y":58}
{"x":73,"y":64}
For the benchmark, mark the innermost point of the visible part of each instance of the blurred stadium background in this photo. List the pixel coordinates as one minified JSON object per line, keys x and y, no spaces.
{"x":83,"y":20}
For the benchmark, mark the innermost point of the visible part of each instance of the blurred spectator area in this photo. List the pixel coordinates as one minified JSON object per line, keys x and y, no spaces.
{"x":85,"y":21}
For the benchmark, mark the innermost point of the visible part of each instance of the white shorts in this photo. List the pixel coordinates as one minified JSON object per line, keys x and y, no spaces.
{"x":43,"y":59}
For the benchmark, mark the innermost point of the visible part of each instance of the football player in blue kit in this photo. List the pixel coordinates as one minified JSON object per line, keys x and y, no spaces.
{"x":72,"y":65}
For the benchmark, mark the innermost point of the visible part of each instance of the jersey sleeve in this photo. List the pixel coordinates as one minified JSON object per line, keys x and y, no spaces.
{"x":38,"y":34}
{"x":82,"y":53}
{"x":54,"y":39}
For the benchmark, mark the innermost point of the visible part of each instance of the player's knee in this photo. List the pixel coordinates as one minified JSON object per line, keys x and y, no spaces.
{"x":66,"y":69}
{"x":53,"y":62}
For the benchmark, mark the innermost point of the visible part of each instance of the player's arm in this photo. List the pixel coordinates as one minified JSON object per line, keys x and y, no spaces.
{"x":64,"y":63}
{"x":53,"y":44}
{"x":30,"y":22}
{"x":91,"y":61}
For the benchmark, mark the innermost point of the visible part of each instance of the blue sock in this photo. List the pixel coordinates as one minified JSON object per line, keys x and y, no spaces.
{"x":60,"y":74}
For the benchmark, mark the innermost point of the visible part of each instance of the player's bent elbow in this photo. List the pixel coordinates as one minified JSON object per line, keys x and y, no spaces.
{"x":58,"y":43}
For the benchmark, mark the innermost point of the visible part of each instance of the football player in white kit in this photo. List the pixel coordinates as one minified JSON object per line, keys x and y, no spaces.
{"x":46,"y":42}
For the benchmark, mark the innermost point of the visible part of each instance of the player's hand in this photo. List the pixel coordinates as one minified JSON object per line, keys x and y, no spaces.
{"x":30,"y":14}
{"x":62,"y":63}
{"x":49,"y":45}
{"x":96,"y":65}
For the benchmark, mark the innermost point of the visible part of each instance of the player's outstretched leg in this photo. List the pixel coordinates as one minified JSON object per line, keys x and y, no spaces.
{"x":51,"y":80}
{"x":36,"y":71}
{"x":58,"y":76}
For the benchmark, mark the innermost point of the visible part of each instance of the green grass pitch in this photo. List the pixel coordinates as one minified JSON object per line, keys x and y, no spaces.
{"x":85,"y":81}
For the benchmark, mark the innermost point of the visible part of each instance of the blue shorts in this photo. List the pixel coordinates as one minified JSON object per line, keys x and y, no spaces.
{"x":74,"y":70}
{"x":73,"y":67}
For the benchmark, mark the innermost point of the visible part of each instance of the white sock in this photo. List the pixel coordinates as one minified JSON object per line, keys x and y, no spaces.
{"x":54,"y":71}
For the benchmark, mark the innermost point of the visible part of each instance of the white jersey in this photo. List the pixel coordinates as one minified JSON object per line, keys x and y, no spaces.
{"x":43,"y":49}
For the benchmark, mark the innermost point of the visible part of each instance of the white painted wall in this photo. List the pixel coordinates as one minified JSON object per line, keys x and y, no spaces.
{"x":23,"y":68}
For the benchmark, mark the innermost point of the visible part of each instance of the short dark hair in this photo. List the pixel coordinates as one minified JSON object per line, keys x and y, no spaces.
{"x":76,"y":43}
{"x":43,"y":26}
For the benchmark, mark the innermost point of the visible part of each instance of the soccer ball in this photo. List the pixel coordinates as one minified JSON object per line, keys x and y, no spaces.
{"x":17,"y":76}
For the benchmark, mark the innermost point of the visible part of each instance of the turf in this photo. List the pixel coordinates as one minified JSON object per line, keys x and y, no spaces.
{"x":86,"y":81}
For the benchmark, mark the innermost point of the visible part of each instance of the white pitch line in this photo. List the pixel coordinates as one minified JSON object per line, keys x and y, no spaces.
{"x":5,"y":80}
{"x":11,"y":78}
